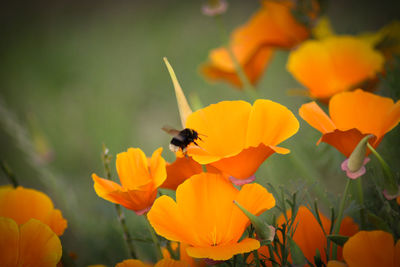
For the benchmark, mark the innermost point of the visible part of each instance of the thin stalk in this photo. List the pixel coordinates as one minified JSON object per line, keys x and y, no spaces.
{"x":389,"y":179}
{"x":256,"y":258}
{"x":340,"y":216}
{"x":271,"y":254}
{"x":120,"y":213}
{"x":248,"y":88}
{"x":155,"y":239}
{"x":10,"y":175}
{"x":360,"y":195}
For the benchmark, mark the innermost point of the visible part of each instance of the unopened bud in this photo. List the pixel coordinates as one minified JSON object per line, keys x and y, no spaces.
{"x":357,"y":157}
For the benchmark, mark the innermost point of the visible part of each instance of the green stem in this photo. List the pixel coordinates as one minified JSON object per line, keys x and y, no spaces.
{"x":389,"y":179}
{"x":248,"y":88}
{"x":340,"y":216}
{"x":10,"y":175}
{"x":256,"y":258}
{"x":272,"y":256}
{"x":155,"y":239}
{"x":120,"y":214}
{"x":360,"y":195}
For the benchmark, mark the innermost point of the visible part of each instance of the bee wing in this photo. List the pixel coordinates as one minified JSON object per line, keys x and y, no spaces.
{"x":170,"y":130}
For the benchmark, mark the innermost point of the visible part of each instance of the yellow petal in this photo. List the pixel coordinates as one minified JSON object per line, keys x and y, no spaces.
{"x":9,"y":239}
{"x":316,"y":117}
{"x":158,"y":168}
{"x":132,"y":263}
{"x":171,"y":263}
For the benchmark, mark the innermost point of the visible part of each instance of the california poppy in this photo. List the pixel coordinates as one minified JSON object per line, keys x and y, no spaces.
{"x":238,"y":137}
{"x":140,"y":178}
{"x":161,"y":263}
{"x":334,"y":64}
{"x":370,"y":249}
{"x":180,"y":249}
{"x":31,"y":243}
{"x":273,"y":26}
{"x":22,"y":204}
{"x":205,"y":217}
{"x":353,"y":115}
{"x":180,"y":170}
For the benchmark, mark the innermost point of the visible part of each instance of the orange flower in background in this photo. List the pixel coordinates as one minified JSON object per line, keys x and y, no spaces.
{"x":22,"y":204}
{"x":161,"y":263}
{"x":205,"y":217}
{"x":180,"y":170}
{"x":140,"y":178}
{"x":32,"y":243}
{"x":370,"y":249}
{"x":309,"y":235}
{"x":353,"y":115}
{"x":238,"y":137}
{"x":334,"y":64}
{"x":253,"y":44}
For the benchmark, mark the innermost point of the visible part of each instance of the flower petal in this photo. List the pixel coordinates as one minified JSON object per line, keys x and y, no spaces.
{"x":38,"y":245}
{"x":157,"y":168}
{"x":316,"y":117}
{"x":132,"y":263}
{"x":369,"y":249}
{"x":180,"y":170}
{"x":224,"y":252}
{"x":9,"y":239}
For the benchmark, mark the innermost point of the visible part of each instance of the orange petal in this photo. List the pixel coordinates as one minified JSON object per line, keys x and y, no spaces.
{"x":336,"y":264}
{"x":345,"y":141}
{"x":260,"y":201}
{"x":133,"y":169}
{"x":13,"y":204}
{"x":38,"y":245}
{"x":170,"y":263}
{"x":224,"y":252}
{"x":316,"y":117}
{"x":397,"y":254}
{"x":369,"y":249}
{"x":180,"y":170}
{"x":224,"y":135}
{"x":9,"y":239}
{"x":157,"y":168}
{"x":270,"y":123}
{"x":175,"y":227}
{"x":334,"y":64}
{"x":373,"y":114}
{"x":104,"y":187}
{"x":132,"y":263}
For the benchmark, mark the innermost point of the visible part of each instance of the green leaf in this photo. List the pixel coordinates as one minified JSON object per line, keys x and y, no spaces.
{"x":378,"y":222}
{"x":338,"y":239}
{"x":297,"y":255}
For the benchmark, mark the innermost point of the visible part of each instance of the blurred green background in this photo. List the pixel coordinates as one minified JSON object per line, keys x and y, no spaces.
{"x":77,"y":74}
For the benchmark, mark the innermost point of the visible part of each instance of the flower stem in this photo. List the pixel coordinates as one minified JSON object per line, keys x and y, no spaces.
{"x":120,"y":214}
{"x":7,"y":171}
{"x":256,"y":258}
{"x":155,"y":239}
{"x":389,"y":179}
{"x":340,"y":216}
{"x":360,"y":196}
{"x":248,"y":88}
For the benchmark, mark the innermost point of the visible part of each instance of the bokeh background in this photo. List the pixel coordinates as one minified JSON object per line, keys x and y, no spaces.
{"x":77,"y":74}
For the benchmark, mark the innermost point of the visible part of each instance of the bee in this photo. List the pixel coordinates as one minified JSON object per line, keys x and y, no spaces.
{"x":182,"y":138}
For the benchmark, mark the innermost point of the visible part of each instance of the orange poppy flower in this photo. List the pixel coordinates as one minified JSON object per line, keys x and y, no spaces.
{"x":32,"y":243}
{"x":334,"y":64}
{"x":309,"y":236}
{"x":238,"y":137}
{"x":353,"y":115}
{"x":253,"y":44}
{"x":161,"y":263}
{"x":140,"y":178}
{"x":205,"y":217}
{"x":22,"y":204}
{"x":180,"y":170}
{"x":370,"y":249}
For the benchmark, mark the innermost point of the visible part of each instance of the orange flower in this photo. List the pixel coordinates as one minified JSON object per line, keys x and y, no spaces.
{"x":32,"y":243}
{"x":22,"y":204}
{"x":140,"y":178}
{"x":370,"y":249}
{"x":238,"y":137}
{"x":161,"y":263}
{"x":309,"y":236}
{"x":334,"y":64}
{"x":353,"y":115}
{"x":252,"y":44}
{"x":180,"y":170}
{"x":205,"y":217}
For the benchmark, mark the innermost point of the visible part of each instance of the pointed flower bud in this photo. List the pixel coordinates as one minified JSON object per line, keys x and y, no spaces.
{"x":264,"y":231}
{"x":183,"y":106}
{"x":354,"y":166}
